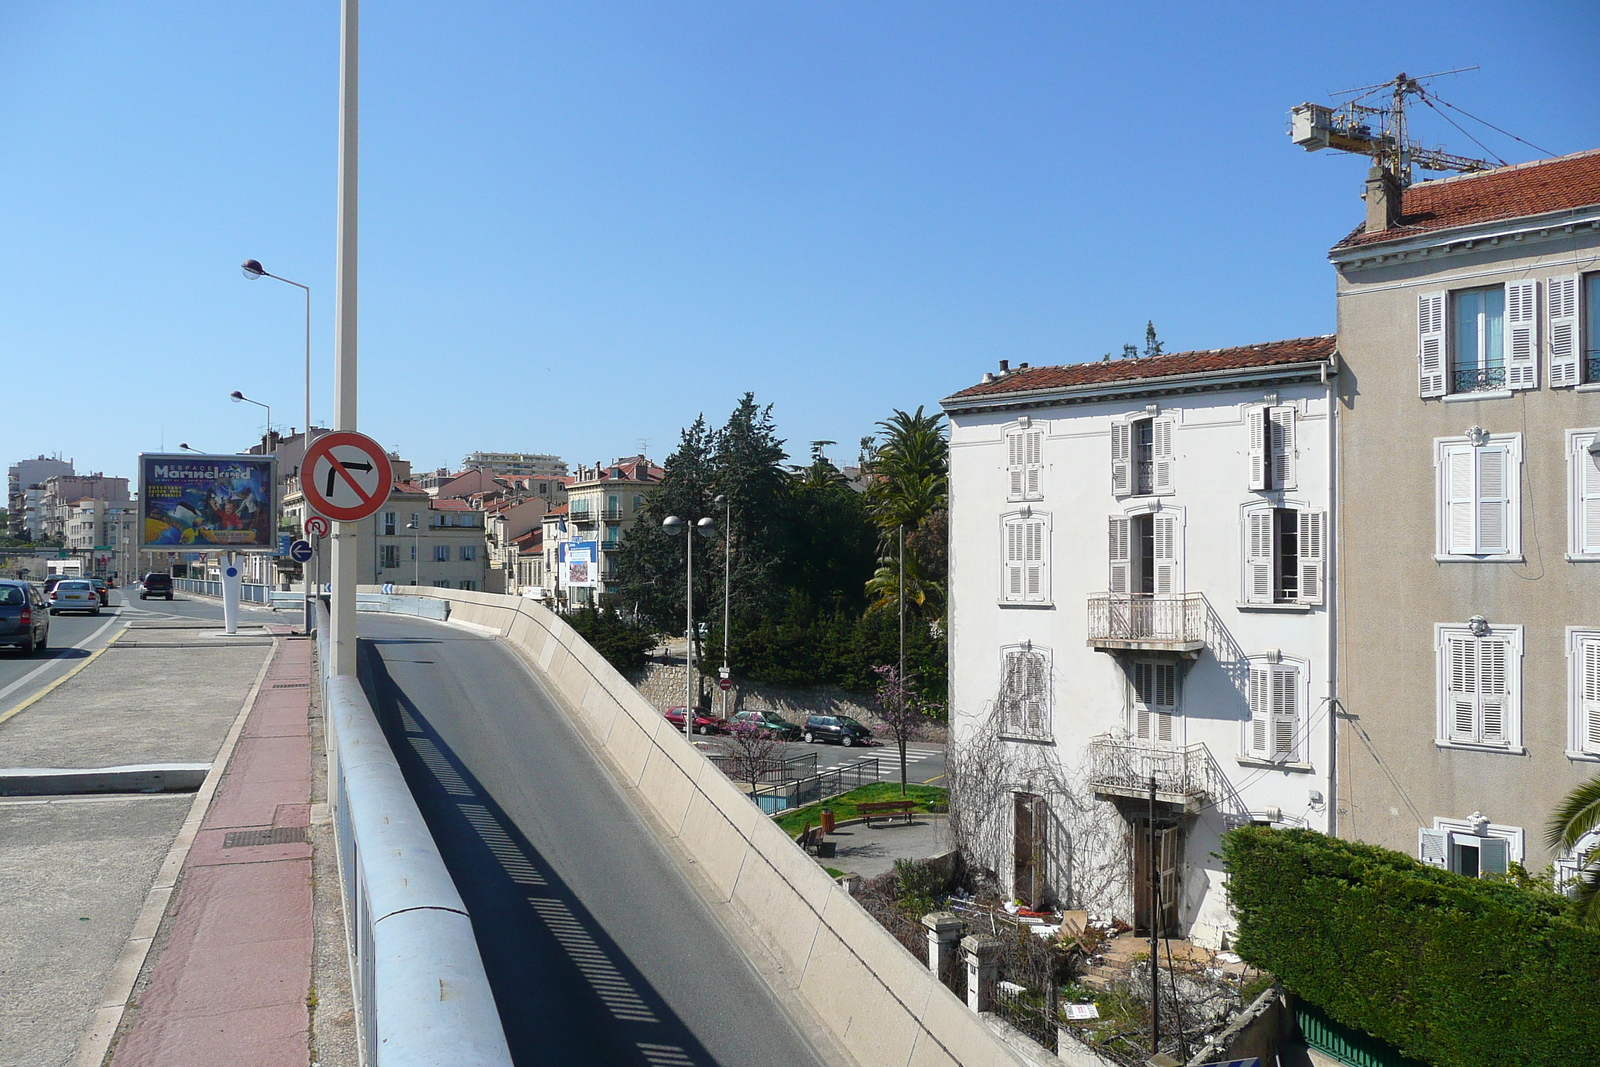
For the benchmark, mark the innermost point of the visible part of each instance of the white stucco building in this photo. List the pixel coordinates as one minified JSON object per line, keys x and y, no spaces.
{"x":1139,"y":565}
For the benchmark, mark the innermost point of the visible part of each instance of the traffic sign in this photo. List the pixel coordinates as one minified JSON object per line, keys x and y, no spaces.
{"x":300,"y":551}
{"x":724,"y":684}
{"x":284,"y":540}
{"x":317,"y":526}
{"x":346,"y":476}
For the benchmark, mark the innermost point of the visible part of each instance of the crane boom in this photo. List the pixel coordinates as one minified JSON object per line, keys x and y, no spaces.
{"x":1350,"y":128}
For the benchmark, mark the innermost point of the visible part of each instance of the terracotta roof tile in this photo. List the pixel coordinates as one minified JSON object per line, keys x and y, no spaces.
{"x":1535,"y":188}
{"x":1040,"y":379}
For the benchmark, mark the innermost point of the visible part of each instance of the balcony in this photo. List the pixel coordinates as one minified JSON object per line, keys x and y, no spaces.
{"x":1477,"y":379}
{"x":612,"y":514}
{"x":1124,"y":623}
{"x":1122,"y":769}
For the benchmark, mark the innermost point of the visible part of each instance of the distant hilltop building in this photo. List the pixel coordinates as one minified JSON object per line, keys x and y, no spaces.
{"x":521,"y":464}
{"x":25,"y":488}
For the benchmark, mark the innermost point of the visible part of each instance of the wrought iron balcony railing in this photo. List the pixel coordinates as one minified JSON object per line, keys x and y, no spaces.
{"x":1124,"y":768}
{"x":1477,"y":379}
{"x":1591,"y":368}
{"x":1171,"y":623}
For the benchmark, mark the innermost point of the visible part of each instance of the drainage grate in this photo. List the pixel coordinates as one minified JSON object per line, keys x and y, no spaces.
{"x":283,"y":835}
{"x":290,"y":685}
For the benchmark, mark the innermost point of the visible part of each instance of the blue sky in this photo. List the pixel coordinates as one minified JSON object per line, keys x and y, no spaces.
{"x":584,"y":223}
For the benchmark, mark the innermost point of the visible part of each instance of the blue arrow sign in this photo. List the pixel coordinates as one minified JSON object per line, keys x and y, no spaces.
{"x":300,"y":551}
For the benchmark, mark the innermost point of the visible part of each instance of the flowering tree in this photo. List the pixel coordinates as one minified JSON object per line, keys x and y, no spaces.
{"x":903,"y":712}
{"x":751,"y":748}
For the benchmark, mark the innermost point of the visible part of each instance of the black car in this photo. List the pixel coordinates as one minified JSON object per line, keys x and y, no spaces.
{"x":768,"y":722}
{"x":840,"y":728}
{"x":155,"y":584}
{"x":24,"y":616}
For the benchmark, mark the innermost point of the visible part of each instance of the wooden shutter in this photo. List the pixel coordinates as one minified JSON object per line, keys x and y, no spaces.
{"x":1016,"y":536}
{"x":1121,"y":561}
{"x":1034,"y":584}
{"x":1430,"y":344}
{"x":1258,"y":542}
{"x":1121,"y":457}
{"x":1522,"y":334}
{"x":1167,"y":546}
{"x":1161,"y":455}
{"x":1281,"y":428}
{"x":1589,"y":695}
{"x":1461,"y":687}
{"x":1256,"y":421}
{"x":1586,"y":500}
{"x":1433,"y":847}
{"x":1015,"y":449}
{"x":1494,"y":855}
{"x":1260,"y":697}
{"x":1313,"y":549}
{"x":1143,"y":695}
{"x":1033,"y":464}
{"x":1155,"y":688}
{"x":1035,"y":694}
{"x":1460,"y":500}
{"x":1561,"y":295}
{"x":1494,"y":696}
{"x":1285,"y":718}
{"x":1495,"y":472}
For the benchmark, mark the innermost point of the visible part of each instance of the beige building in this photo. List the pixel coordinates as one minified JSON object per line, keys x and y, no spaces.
{"x":1468,"y":608}
{"x":602,"y":502}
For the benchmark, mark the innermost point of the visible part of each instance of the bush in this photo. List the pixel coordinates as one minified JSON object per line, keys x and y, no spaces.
{"x":622,"y":643}
{"x":1459,"y":972}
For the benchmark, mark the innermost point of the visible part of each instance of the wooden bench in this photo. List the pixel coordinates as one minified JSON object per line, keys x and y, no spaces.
{"x":889,"y":808}
{"x":815,"y":842}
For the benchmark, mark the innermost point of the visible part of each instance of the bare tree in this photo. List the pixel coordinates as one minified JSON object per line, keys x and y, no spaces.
{"x":750,"y":748}
{"x":902,"y":711}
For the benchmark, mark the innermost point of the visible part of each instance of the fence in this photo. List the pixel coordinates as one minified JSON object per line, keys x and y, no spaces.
{"x":1178,"y":619}
{"x":254,"y":594}
{"x":781,"y":796}
{"x":788,"y":769}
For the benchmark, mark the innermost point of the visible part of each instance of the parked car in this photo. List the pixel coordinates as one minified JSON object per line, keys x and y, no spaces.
{"x":103,"y":589}
{"x":769,"y":722}
{"x":24,"y":617}
{"x":840,"y":728}
{"x":704,"y":722}
{"x":74,"y":594}
{"x":155,"y":584}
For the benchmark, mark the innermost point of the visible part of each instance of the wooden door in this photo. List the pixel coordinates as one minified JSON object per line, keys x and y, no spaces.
{"x":1029,"y":860}
{"x":1167,"y":840}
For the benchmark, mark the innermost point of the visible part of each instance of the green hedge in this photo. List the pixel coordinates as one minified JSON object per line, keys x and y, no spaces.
{"x":1458,"y":972}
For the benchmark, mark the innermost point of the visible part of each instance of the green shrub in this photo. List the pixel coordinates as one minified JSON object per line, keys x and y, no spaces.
{"x":624,"y":644}
{"x":1455,"y":971}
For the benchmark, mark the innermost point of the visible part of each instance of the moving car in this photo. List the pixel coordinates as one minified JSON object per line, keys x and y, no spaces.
{"x":769,"y":722}
{"x":704,"y":722}
{"x":840,"y":728}
{"x":24,"y":618}
{"x":103,"y":589}
{"x":74,"y":594}
{"x":155,"y":584}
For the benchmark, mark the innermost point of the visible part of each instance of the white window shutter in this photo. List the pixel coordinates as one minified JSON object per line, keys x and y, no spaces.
{"x":1256,"y":422}
{"x":1494,"y":855}
{"x":1260,"y":696}
{"x":1495,"y":472}
{"x":1430,"y":344}
{"x":1313,"y":547}
{"x":1587,"y":497}
{"x":1166,"y":700}
{"x":1121,"y":457}
{"x":1034,"y":578}
{"x":1285,"y":686}
{"x":1561,"y":295}
{"x":1281,"y":425}
{"x":1143,"y":697}
{"x":1161,"y":455}
{"x":1432,"y":847}
{"x":1167,"y":538}
{"x":1589,"y":694}
{"x":1014,"y":464}
{"x":1121,"y":561}
{"x":1015,"y":552}
{"x":1258,"y":584}
{"x":1494,"y":697}
{"x":1522,"y":334}
{"x":1033,"y":464}
{"x":1461,"y":688}
{"x":1460,"y":500}
{"x":1036,"y":694}
{"x":1015,"y":689}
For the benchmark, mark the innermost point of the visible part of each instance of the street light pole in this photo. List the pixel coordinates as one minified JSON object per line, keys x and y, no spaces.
{"x":672,"y":524}
{"x":237,"y":396}
{"x":727,"y":576}
{"x":345,"y":548}
{"x":416,"y":551}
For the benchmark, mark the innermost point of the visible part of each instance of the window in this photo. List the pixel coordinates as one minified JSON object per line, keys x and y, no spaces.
{"x":388,"y":523}
{"x":1480,"y":498}
{"x":413,"y":547}
{"x":1155,"y":699}
{"x":389,"y":556}
{"x":1275,"y":712}
{"x":1573,"y":303}
{"x":1583,"y":656}
{"x":1025,"y":691}
{"x":442,"y":583}
{"x":1464,"y":852}
{"x":1141,"y":455}
{"x":1024,"y":463}
{"x":1480,"y":685}
{"x":468,"y":584}
{"x":1027,"y":560}
{"x":1489,"y":343}
{"x":1583,"y":494}
{"x":469,"y":553}
{"x":1145,"y":553}
{"x":1272,"y":446}
{"x":1284,"y":555}
{"x":441,"y":553}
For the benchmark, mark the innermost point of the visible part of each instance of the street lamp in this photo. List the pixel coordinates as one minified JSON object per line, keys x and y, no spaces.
{"x":197,"y":451}
{"x":253,"y":269}
{"x":727,"y":576}
{"x":238,"y":396}
{"x":416,"y":556}
{"x":674,"y":525}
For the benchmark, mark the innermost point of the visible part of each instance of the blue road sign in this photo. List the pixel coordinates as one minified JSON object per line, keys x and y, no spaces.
{"x":283,"y":543}
{"x":300,"y":551}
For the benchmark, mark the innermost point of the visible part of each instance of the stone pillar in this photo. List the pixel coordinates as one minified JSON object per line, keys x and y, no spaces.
{"x":983,"y":961}
{"x":945,"y":930}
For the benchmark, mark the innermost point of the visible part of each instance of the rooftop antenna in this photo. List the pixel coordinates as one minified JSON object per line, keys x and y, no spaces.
{"x":1350,"y":128}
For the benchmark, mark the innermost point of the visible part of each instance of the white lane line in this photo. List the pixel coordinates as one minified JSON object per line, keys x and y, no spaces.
{"x":49,"y":663}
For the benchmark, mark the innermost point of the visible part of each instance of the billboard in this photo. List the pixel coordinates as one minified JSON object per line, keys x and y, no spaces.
{"x":580,"y":564}
{"x":208,"y":503}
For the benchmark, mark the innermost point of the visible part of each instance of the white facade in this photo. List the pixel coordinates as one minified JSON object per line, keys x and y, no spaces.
{"x":1138,"y":586}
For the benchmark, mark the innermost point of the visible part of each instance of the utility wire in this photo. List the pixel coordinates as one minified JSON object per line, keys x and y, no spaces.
{"x":1429,"y":101}
{"x":1495,"y":128}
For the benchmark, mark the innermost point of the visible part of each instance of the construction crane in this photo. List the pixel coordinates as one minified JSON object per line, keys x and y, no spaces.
{"x":1350,"y":128}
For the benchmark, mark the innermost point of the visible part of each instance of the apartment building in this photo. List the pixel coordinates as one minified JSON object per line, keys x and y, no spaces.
{"x":61,"y":490}
{"x":103,"y":533}
{"x":24,"y":487}
{"x":1469,"y":529}
{"x":522,"y":464}
{"x":602,"y":502}
{"x":1140,"y":625}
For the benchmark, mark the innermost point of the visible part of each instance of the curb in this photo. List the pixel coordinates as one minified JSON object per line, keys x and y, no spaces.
{"x":132,"y":778}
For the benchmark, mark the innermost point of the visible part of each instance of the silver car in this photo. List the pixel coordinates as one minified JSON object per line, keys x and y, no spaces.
{"x":74,"y":594}
{"x":24,"y":619}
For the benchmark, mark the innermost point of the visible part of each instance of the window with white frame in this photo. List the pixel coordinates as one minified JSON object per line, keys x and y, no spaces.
{"x":1141,"y":455}
{"x":1285,"y":554}
{"x":441,"y":553}
{"x":1277,"y":711}
{"x":1456,"y":845}
{"x":1155,"y":700}
{"x":1479,"y":480}
{"x":1583,"y":494}
{"x":1025,"y":690}
{"x":468,"y":584}
{"x":1480,"y":685}
{"x":1025,"y":462}
{"x":441,"y":583}
{"x":1025,"y":578}
{"x":1273,"y":448}
{"x":1478,"y":340}
{"x":1146,"y":553}
{"x":1583,"y":659}
{"x":469,"y":553}
{"x":390,"y":556}
{"x":388,"y":523}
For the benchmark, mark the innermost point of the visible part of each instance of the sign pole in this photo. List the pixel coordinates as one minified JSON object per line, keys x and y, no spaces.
{"x":345,"y":540}
{"x":230,"y":592}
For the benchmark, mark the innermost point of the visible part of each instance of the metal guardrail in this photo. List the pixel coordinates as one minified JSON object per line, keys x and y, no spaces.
{"x":420,"y":992}
{"x":1179,"y":618}
{"x":250,"y":594}
{"x":789,"y":769}
{"x":781,"y":796}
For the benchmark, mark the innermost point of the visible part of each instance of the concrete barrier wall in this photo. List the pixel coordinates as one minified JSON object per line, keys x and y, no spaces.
{"x":421,"y":994}
{"x":880,"y":1002}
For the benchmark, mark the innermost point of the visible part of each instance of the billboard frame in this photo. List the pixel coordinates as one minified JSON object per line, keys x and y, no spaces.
{"x":204,"y":473}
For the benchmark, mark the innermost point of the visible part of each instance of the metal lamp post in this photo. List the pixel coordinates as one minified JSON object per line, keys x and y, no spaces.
{"x":416,"y":551}
{"x":237,"y":396}
{"x":672,"y":524}
{"x":727,"y":578}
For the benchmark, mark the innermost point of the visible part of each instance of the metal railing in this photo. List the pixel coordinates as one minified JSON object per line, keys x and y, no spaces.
{"x":1125,"y":767}
{"x":253,"y":594}
{"x":1179,"y":618}
{"x":1477,"y":379}
{"x":787,"y":769}
{"x":1591,"y":368}
{"x":781,"y":796}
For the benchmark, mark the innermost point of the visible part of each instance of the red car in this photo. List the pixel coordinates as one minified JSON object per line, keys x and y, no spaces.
{"x":704,"y":722}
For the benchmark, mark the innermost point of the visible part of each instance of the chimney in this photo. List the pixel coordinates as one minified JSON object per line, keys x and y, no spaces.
{"x":1383,"y":200}
{"x":1005,"y":366}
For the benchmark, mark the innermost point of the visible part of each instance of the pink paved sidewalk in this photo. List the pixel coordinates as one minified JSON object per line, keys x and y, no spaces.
{"x":231,"y":984}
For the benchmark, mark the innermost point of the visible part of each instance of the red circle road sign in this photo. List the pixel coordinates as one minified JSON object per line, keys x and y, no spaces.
{"x":724,"y":684}
{"x":317,"y":526}
{"x":346,"y":476}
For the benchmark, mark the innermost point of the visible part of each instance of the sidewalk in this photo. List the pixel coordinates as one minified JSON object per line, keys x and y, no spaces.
{"x":871,"y":851}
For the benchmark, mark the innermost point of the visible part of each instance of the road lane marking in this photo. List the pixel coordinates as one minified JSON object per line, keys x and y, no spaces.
{"x":29,"y":702}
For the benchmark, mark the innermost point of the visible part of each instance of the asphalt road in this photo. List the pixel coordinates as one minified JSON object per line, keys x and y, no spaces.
{"x":73,"y":638}
{"x":598,"y":949}
{"x":924,"y":762}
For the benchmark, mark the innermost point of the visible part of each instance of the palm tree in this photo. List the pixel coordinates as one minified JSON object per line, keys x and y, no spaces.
{"x":1577,"y":815}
